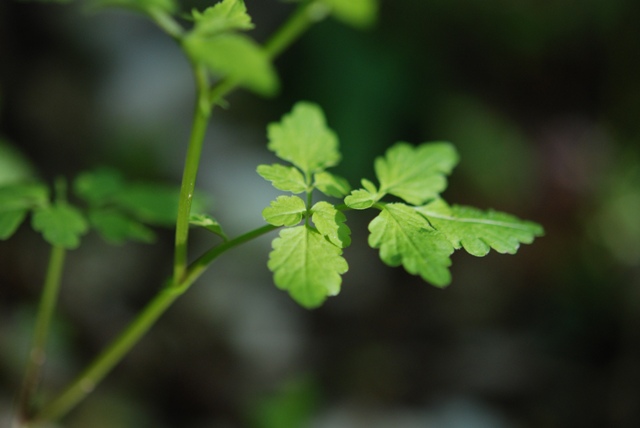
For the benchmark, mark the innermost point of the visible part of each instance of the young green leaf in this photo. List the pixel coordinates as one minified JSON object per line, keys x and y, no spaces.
{"x":331,"y":184}
{"x":209,"y":223}
{"x":361,"y":199}
{"x":405,"y":238}
{"x":359,"y":13}
{"x":415,"y":174}
{"x":60,"y":224}
{"x":478,"y":231}
{"x":234,"y":56}
{"x":303,"y":138}
{"x":116,"y":227}
{"x":331,"y":223}
{"x":285,"y":211}
{"x":307,"y":265}
{"x":285,"y":178}
{"x":228,"y":15}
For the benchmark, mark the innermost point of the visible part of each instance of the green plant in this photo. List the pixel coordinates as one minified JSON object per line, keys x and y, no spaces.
{"x":417,"y":229}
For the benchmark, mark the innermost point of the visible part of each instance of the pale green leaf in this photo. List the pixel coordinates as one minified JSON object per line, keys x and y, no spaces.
{"x":285,"y":211}
{"x":10,"y":221}
{"x":303,"y":138}
{"x":237,"y":57}
{"x":405,"y":238}
{"x":358,"y":13}
{"x":478,"y":231}
{"x":21,"y":196}
{"x":117,"y":228}
{"x":209,"y":223}
{"x":415,"y":174}
{"x":306,"y":265}
{"x":60,"y":224}
{"x":228,"y":15}
{"x":331,"y":184}
{"x":286,"y":178}
{"x":331,"y":223}
{"x":361,"y":199}
{"x":369,"y":186}
{"x":98,"y":187}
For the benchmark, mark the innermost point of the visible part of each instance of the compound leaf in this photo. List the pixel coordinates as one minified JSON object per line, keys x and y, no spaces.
{"x":227,"y":15}
{"x":331,"y":223}
{"x":306,"y":265}
{"x":209,"y":223}
{"x":415,"y":174}
{"x":285,"y":211}
{"x":358,"y":13}
{"x":117,"y":228}
{"x":478,"y":231}
{"x":331,"y":184}
{"x":286,"y":178}
{"x":303,"y":138}
{"x":234,"y":56}
{"x":405,"y":238}
{"x":60,"y":224}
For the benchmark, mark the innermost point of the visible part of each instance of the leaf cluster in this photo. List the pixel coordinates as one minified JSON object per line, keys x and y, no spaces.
{"x":418,"y":232}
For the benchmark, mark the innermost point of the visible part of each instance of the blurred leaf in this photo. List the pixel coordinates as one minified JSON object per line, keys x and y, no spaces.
{"x":479,"y":231}
{"x":285,"y":211}
{"x":358,"y":13}
{"x":98,"y":187}
{"x":331,"y":184}
{"x":115,"y":227}
{"x":60,"y":224}
{"x":224,"y":16}
{"x":10,"y":221}
{"x":207,"y":222}
{"x":169,"y":6}
{"x":23,"y":196}
{"x":14,"y":166}
{"x":151,"y":203}
{"x":234,"y":56}
{"x":285,"y":178}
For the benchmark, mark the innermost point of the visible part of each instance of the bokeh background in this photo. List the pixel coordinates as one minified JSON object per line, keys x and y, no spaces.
{"x":542,"y":99}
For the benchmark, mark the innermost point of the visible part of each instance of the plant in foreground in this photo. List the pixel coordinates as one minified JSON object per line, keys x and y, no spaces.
{"x":417,"y":230}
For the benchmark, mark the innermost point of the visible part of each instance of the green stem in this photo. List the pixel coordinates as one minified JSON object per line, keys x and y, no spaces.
{"x":86,"y":382}
{"x":37,"y":354}
{"x":200,"y":121}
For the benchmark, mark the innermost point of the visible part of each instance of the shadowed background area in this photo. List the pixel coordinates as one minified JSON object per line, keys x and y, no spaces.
{"x":542,"y":100}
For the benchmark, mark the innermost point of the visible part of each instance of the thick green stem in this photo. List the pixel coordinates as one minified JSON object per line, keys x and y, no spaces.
{"x":37,"y":354}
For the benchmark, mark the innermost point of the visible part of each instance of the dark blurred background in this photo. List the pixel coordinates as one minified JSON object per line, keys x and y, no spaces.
{"x":542,"y":99}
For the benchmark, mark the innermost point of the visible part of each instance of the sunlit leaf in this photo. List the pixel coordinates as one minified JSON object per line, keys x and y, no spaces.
{"x":227,"y":15}
{"x":285,"y":211}
{"x":331,"y":223}
{"x":285,"y":178}
{"x":331,"y":184}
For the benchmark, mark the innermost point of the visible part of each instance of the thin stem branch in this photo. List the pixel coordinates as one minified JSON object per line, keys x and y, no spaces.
{"x":37,"y":353}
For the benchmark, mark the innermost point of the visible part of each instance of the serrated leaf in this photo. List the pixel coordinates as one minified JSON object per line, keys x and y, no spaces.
{"x":361,"y":199}
{"x":331,"y":184}
{"x":23,"y":196}
{"x":209,"y":223}
{"x":10,"y":221}
{"x":478,"y":231}
{"x":415,"y":174}
{"x":405,"y":238}
{"x":98,"y":187}
{"x":330,"y":223}
{"x":228,"y":15}
{"x":117,"y":228}
{"x":303,"y":138}
{"x":306,"y":265}
{"x":285,"y":211}
{"x":60,"y":224}
{"x":237,"y":57}
{"x":286,"y":178}
{"x":169,"y":6}
{"x":359,"y":13}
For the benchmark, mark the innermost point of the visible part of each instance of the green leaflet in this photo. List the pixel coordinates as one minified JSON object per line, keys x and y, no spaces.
{"x":331,"y":184}
{"x":303,"y":138}
{"x":285,"y":178}
{"x":15,"y":202}
{"x":478,"y":231}
{"x":285,"y":211}
{"x":358,"y":13}
{"x":234,"y":56}
{"x":361,"y":199}
{"x":405,"y":238}
{"x":228,"y":15}
{"x":330,"y":223}
{"x":10,"y":221}
{"x":306,"y":265}
{"x":169,"y":6}
{"x":15,"y":167}
{"x":60,"y":224}
{"x":415,"y":173}
{"x":99,"y":187}
{"x":117,"y":228}
{"x":207,"y":222}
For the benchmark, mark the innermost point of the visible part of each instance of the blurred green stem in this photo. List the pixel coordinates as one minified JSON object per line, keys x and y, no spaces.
{"x":37,"y":352}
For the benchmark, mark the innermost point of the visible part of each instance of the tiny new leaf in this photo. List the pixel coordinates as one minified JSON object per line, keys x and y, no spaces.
{"x":303,"y":138}
{"x":207,"y":222}
{"x":405,"y":238}
{"x":331,"y":184}
{"x":285,"y":178}
{"x":60,"y":224}
{"x":415,"y":173}
{"x":478,"y":231}
{"x":285,"y":211}
{"x":307,"y":265}
{"x":331,"y":223}
{"x":228,"y":15}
